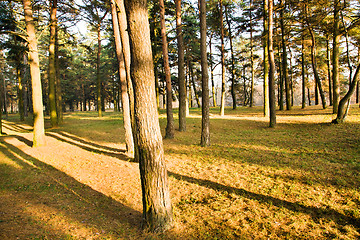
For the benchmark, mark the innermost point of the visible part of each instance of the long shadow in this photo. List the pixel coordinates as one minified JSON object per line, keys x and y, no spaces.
{"x":80,"y":140}
{"x":119,"y":155}
{"x":315,"y":213}
{"x":54,"y":189}
{"x":15,"y":127}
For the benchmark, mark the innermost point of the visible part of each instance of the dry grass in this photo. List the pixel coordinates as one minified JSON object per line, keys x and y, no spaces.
{"x":297,"y":181}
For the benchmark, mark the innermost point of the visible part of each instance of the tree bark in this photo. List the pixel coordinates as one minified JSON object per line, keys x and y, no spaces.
{"x":335,"y":56}
{"x":314,"y":65}
{"x":251,"y":59}
{"x":39,"y":129}
{"x":98,"y":78}
{"x":205,"y":120}
{"x":212,"y":73}
{"x":266,"y":59}
{"x":52,"y":66}
{"x":181,"y":69}
{"x":169,"y":112}
{"x":194,"y":85}
{"x":233,"y":93}
{"x":328,"y":62}
{"x":20,"y":92}
{"x":157,"y":210}
{"x":222,"y":106}
{"x":303,"y":77}
{"x":272,"y":104}
{"x":129,"y":141}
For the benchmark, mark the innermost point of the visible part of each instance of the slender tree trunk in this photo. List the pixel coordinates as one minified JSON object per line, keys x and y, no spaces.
{"x":266,"y":59}
{"x":194,"y":85}
{"x":157,"y":210}
{"x":281,"y":81}
{"x":169,"y":112}
{"x":52,"y":66}
{"x":129,"y":141}
{"x":303,"y":75}
{"x":98,"y":77}
{"x":316,"y":93}
{"x":284,"y":57}
{"x":251,"y":59}
{"x":59,"y":101}
{"x":212,"y":73}
{"x":222,"y":107}
{"x":335,"y":56}
{"x":272,"y":104}
{"x":314,"y":65}
{"x":233,"y":93}
{"x":181,"y":69}
{"x":20,"y":93}
{"x":328,"y":62}
{"x":205,"y":121}
{"x":39,"y":129}
{"x":309,"y":96}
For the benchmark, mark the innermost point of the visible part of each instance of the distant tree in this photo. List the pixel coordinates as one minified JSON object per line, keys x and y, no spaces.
{"x":223,"y":70}
{"x":205,"y":122}
{"x":39,"y":129}
{"x":169,"y":112}
{"x":157,"y":209}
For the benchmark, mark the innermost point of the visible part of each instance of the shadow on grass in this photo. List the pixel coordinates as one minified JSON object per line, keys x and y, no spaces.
{"x":36,"y":185}
{"x":15,"y":127}
{"x":315,"y":213}
{"x":89,"y":146}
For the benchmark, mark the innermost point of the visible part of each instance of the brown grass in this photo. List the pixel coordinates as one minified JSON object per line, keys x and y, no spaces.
{"x":297,"y":181}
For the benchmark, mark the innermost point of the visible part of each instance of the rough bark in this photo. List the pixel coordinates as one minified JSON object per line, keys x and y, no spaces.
{"x":52,"y":66}
{"x":222,"y":106}
{"x":272,"y":104}
{"x":129,"y":141}
{"x":169,"y":112}
{"x":39,"y":129}
{"x":205,"y":120}
{"x":157,"y":210}
{"x":266,"y":59}
{"x":181,"y":69}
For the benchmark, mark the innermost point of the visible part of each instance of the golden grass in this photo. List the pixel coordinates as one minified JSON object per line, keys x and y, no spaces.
{"x":299,"y":180}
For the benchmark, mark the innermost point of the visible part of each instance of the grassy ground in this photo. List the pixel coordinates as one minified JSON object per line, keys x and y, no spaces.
{"x":299,"y":180}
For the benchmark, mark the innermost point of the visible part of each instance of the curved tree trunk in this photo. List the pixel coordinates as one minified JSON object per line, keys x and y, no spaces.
{"x":205,"y":120}
{"x":39,"y":129}
{"x":169,"y":112}
{"x":181,"y":69}
{"x":157,"y":210}
{"x":129,"y":141}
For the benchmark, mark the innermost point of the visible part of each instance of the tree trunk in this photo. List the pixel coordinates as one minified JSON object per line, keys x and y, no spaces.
{"x":328,"y":62}
{"x":157,"y":210}
{"x":233,"y":93}
{"x":303,"y":81}
{"x":194,"y":85}
{"x":281,"y":81}
{"x":1,"y":101}
{"x":341,"y":113}
{"x":316,"y":93}
{"x":284,"y":58}
{"x":266,"y":59}
{"x":129,"y":141}
{"x":222,"y":107}
{"x":98,"y":78}
{"x":205,"y":120}
{"x":39,"y":129}
{"x":181,"y":69}
{"x":169,"y":112}
{"x":335,"y":56}
{"x":59,"y":101}
{"x":251,"y":59}
{"x":272,"y":104}
{"x":212,"y":74}
{"x":314,"y":65}
{"x":52,"y":66}
{"x":309,"y":96}
{"x":20,"y":93}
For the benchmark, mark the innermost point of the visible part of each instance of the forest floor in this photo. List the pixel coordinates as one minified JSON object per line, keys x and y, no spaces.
{"x":300,"y":180}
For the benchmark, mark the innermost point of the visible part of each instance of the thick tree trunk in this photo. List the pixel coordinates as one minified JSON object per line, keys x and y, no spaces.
{"x":335,"y":56}
{"x":266,"y":59}
{"x":129,"y":141}
{"x":169,"y":112}
{"x":272,"y":104}
{"x":52,"y":66}
{"x":222,"y":107}
{"x":181,"y":69}
{"x":157,"y":210}
{"x":39,"y":129}
{"x":205,"y":121}
{"x":314,"y":66}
